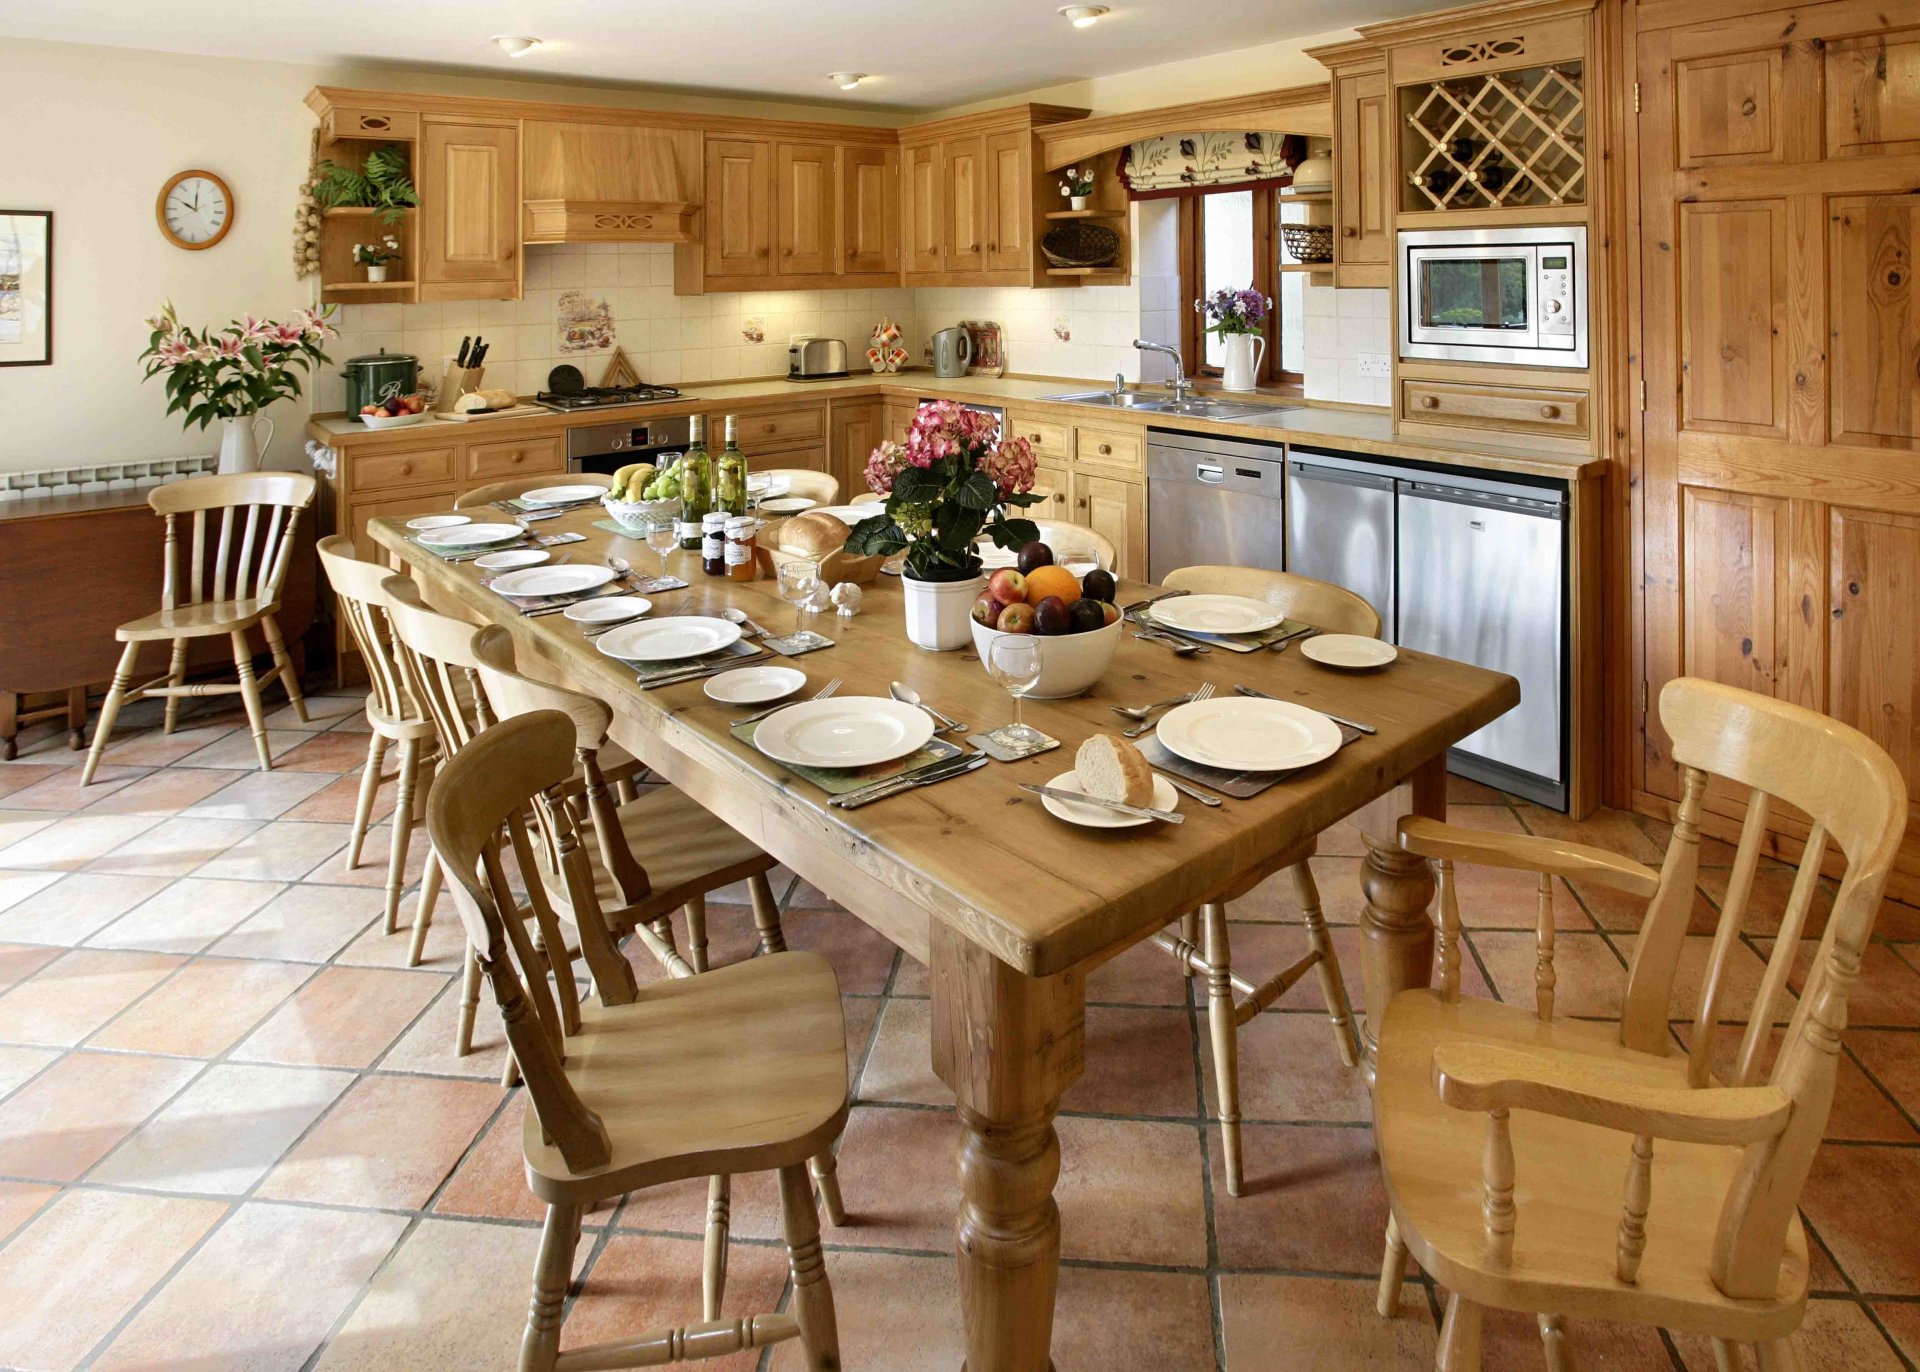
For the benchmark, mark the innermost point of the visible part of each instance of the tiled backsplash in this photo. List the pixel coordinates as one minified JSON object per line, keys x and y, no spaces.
{"x":1343,"y":328}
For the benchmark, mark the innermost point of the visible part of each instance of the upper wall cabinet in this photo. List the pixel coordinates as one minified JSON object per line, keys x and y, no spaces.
{"x":468,"y":176}
{"x":1362,"y":165}
{"x":609,"y":183}
{"x":807,"y":202}
{"x":870,"y":212}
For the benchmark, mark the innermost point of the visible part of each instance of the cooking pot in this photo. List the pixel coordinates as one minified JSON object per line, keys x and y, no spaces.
{"x":378,"y":377}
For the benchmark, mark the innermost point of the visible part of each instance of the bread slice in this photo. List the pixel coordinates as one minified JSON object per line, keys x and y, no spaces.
{"x":1113,"y":769}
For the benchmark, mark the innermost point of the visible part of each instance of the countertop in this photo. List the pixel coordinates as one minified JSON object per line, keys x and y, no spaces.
{"x":1356,"y":431}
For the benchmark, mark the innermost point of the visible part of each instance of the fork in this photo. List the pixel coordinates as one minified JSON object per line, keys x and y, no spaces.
{"x":1204,"y":693}
{"x":1140,"y":712}
{"x":820,"y":694}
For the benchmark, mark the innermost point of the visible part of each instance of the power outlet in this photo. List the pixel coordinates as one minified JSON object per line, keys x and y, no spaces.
{"x":1375,"y":364}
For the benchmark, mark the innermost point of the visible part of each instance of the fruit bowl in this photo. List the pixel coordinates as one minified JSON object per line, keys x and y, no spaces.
{"x":394,"y":421}
{"x":1069,"y":663}
{"x":640,"y":515}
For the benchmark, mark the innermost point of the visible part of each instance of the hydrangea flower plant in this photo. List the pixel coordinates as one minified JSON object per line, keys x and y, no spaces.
{"x":954,"y":478}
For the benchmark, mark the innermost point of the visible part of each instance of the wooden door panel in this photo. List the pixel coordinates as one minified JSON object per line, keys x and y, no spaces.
{"x":804,"y":202}
{"x":924,"y":214}
{"x":965,"y":204}
{"x":739,"y":227}
{"x":1874,"y":682}
{"x":1733,"y":326}
{"x":1006,"y":200}
{"x":869,"y":210}
{"x":1733,"y":559}
{"x":469,"y":214}
{"x":1872,"y":242}
{"x":1728,"y":109}
{"x":1873,"y":95}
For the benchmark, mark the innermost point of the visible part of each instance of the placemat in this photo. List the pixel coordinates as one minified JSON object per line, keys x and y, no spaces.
{"x":469,"y":554}
{"x":519,"y":506}
{"x":530,"y":605}
{"x":1240,"y":785}
{"x":837,"y":781}
{"x":647,"y":672}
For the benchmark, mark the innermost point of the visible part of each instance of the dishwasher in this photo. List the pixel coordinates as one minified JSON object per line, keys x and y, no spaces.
{"x":1214,"y":501}
{"x":1482,"y":579}
{"x":1340,"y":526}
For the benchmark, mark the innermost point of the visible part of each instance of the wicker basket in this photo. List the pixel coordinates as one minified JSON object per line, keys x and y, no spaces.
{"x":1078,"y":243}
{"x":1308,"y":242}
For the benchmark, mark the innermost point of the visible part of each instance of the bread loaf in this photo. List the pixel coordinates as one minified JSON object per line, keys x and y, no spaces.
{"x":1113,"y":769}
{"x":486,"y":400}
{"x":812,"y":535}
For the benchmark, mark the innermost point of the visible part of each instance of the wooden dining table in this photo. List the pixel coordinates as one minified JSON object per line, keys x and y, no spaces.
{"x":1008,"y":907}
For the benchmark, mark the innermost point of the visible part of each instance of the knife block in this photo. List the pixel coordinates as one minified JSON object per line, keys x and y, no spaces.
{"x":455,"y":382}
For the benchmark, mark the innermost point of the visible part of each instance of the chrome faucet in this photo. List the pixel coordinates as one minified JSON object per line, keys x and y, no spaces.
{"x":1180,"y":386}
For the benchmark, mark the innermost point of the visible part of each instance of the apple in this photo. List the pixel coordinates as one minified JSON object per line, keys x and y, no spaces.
{"x":369,"y":409}
{"x":1007,"y":585}
{"x":1017,"y":618}
{"x":1109,"y":612}
{"x":986,"y":610}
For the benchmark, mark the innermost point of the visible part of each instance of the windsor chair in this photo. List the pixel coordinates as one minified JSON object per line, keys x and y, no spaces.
{"x":1063,"y":538}
{"x":520,"y":485}
{"x":1519,"y":1150}
{"x":806,"y":483}
{"x":228,"y":589}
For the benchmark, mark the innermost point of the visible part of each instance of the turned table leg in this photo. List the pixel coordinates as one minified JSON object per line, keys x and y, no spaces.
{"x":1009,"y":1045}
{"x":1398,"y":929}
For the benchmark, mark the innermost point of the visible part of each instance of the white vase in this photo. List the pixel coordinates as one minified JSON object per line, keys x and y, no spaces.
{"x":1079,"y":201}
{"x":240,"y":448}
{"x":940,"y":613}
{"x":376,"y":271}
{"x":1242,"y":361}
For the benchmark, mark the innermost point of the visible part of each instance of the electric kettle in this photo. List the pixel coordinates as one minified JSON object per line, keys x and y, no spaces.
{"x":952,"y":351}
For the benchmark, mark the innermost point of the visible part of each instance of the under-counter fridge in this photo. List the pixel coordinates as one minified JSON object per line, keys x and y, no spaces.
{"x":1341,"y":526}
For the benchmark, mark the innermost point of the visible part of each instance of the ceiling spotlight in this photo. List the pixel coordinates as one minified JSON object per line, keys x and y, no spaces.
{"x":514,"y":46}
{"x":1083,"y":16}
{"x":846,"y":80}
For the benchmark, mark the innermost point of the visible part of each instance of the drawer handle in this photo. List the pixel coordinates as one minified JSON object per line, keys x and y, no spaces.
{"x":1349,"y":232}
{"x":1549,"y":411}
{"x":1429,"y":402}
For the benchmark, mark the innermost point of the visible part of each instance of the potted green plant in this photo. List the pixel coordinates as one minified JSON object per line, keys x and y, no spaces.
{"x":1078,"y":186}
{"x":381,"y":184}
{"x":375,"y":256}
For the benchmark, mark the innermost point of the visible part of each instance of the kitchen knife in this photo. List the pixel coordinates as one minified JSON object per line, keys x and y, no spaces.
{"x":1079,"y":798}
{"x":480,"y":346}
{"x":460,"y":358}
{"x":1350,"y":723}
{"x":926,"y":776}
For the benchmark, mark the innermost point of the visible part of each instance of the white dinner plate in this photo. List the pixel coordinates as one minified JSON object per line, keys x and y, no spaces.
{"x":561,"y":495}
{"x":758,"y":484}
{"x":1095,"y":817}
{"x":849,"y":515}
{"x":608,"y":609}
{"x":787,"y":504}
{"x":1354,"y":652}
{"x":993,"y":558}
{"x":1244,"y":734}
{"x":563,"y":579}
{"x":512,"y":559}
{"x":843,"y":731}
{"x":426,"y":522}
{"x":1216,"y":614}
{"x":669,"y":639}
{"x":471,"y":535}
{"x":754,"y":685}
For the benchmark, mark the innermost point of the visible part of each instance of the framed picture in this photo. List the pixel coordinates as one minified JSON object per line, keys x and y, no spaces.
{"x":989,"y":352}
{"x":26,"y":288}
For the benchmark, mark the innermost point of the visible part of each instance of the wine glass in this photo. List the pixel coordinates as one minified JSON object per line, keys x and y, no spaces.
{"x":1014,"y":662}
{"x":1079,"y":561}
{"x":798,"y":578}
{"x":662,"y":538}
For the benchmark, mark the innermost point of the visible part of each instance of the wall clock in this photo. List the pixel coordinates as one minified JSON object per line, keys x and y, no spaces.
{"x":195,"y":210}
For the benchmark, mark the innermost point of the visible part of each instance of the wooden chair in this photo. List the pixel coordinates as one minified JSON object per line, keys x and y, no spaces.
{"x":1508,"y":1139}
{"x":818,"y":487}
{"x":743,"y":1069}
{"x":1202,"y":946}
{"x":520,"y":485}
{"x":1063,"y":537}
{"x":391,"y":710}
{"x":257,"y":515}
{"x":868,"y":498}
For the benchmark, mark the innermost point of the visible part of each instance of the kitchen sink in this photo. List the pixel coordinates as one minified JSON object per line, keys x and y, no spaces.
{"x":1112,"y":400}
{"x":1192,"y":407}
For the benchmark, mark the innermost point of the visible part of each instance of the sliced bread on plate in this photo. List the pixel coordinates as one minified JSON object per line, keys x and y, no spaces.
{"x":1113,"y":769}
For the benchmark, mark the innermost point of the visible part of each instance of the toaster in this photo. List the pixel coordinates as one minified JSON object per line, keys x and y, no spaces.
{"x":816,"y":359}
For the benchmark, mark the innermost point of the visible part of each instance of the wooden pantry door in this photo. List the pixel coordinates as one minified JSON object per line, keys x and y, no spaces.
{"x":1779,"y":323}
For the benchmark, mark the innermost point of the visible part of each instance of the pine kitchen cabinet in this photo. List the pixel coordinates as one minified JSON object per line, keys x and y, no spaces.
{"x":468,"y":176}
{"x":1363,"y":195}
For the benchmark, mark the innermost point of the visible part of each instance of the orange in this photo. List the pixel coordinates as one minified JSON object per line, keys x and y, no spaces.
{"x":1045,"y":581}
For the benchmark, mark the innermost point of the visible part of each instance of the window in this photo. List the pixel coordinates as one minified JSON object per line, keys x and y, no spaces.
{"x":1230,"y":238}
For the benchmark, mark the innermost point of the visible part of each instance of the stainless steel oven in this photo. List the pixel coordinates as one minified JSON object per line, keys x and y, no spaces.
{"x":1495,"y":295}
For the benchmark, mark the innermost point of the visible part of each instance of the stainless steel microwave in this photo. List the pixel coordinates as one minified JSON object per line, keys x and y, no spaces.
{"x":1517,"y":296}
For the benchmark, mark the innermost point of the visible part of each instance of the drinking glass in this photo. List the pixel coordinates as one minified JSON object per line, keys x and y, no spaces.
{"x":797,"y":581}
{"x":662,"y":538}
{"x":1014,"y":662}
{"x":1079,"y":561}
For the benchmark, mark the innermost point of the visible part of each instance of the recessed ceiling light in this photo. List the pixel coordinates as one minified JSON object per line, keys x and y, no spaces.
{"x":1083,"y":16}
{"x":514,"y":46}
{"x":846,"y":80}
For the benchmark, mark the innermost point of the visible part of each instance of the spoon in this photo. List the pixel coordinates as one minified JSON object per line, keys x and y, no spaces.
{"x":740,"y":617}
{"x":906,"y":695}
{"x":1181,"y":648}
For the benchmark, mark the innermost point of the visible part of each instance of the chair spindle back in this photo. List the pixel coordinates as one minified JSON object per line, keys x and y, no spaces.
{"x":363,"y":605}
{"x":251,"y":519}
{"x":438,"y":666}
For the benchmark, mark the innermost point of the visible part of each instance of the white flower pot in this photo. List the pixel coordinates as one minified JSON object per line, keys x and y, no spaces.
{"x":1080,"y":201}
{"x":376,"y":271}
{"x":1242,"y":361}
{"x":240,"y":448}
{"x":940,"y":613}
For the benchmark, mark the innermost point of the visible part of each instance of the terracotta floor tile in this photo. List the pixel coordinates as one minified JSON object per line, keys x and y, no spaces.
{"x":1589,"y":979}
{"x":260,"y":1294}
{"x":76,"y":1111}
{"x":446,"y":941}
{"x":71,"y":908}
{"x":453,"y":1295}
{"x":1314,"y":1199}
{"x":910,"y":978}
{"x":1290,"y":1069}
{"x":259,"y":795}
{"x":187,"y":916}
{"x":1312,"y":1324}
{"x":1861,"y":1200}
{"x":164,"y":792}
{"x":860,"y":1014}
{"x":641,"y":1282}
{"x":17,"y":776}
{"x":155,"y":749}
{"x":174,"y":847}
{"x":1143,"y":975}
{"x":1902,"y":1319}
{"x":893,"y":1312}
{"x":900,"y":1066}
{"x":20,"y":1065}
{"x":372,"y":870}
{"x":1131,"y":1191}
{"x":86,"y":1261}
{"x":17,"y":824}
{"x":861,"y":958}
{"x":1619,"y":913}
{"x":18,"y":962}
{"x":1494,"y":898}
{"x":78,"y":992}
{"x":897,"y":1173}
{"x":220,"y":1135}
{"x":1615,"y":830}
{"x":331,"y":753}
{"x":63,"y":791}
{"x":427,"y":1045}
{"x":17,"y":886}
{"x":389,"y":1141}
{"x":1887,"y":995}
{"x":1513,"y":1344}
{"x":680,"y":1209}
{"x":1336,"y":878}
{"x":70,"y":843}
{"x":1465,"y":791}
{"x":1105,"y":1318}
{"x":1891,"y":1056}
{"x":204,"y":1008}
{"x":1835,"y":1334}
{"x":236,"y":750}
{"x":323,"y":712}
{"x":492,"y":1181}
{"x":307,"y":923}
{"x":336,"y":802}
{"x":1139,"y":1062}
{"x":1768,"y":900}
{"x":282,"y":850}
{"x":20,"y":1201}
{"x":1745,"y":968}
{"x":1342,"y":840}
{"x":343,"y":1017}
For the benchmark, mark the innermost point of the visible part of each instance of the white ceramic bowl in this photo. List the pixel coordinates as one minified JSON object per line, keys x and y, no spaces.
{"x":637,"y":515}
{"x":397,"y":421}
{"x":1069,"y":663}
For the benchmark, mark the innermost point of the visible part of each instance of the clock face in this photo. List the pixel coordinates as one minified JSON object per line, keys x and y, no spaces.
{"x":196,"y":209}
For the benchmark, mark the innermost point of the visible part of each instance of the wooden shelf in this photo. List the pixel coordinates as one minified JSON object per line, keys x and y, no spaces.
{"x":1320,"y":267}
{"x":1086,"y":271}
{"x":1086,"y":214}
{"x":1306,"y":197}
{"x":359,"y":212}
{"x":363,"y":287}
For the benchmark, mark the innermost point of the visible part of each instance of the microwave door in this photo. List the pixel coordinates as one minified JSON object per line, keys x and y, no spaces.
{"x":1475,"y":297}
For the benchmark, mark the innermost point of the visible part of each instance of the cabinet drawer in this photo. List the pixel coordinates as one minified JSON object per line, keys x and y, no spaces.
{"x":1049,"y":439}
{"x":492,"y":461}
{"x":408,"y":467}
{"x":1518,"y":409}
{"x":1122,"y":448}
{"x":354,"y":121}
{"x":771,"y":430}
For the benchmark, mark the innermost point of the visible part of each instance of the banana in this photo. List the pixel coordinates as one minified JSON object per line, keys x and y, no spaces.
{"x":623,"y":479}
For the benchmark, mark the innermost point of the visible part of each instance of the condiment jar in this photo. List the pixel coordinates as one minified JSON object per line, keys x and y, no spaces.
{"x":713,"y":543}
{"x":742,"y":539}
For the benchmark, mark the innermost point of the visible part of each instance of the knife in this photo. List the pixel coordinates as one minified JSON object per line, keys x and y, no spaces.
{"x":480,"y":347}
{"x":1350,"y":723}
{"x":695,"y":673}
{"x":1079,"y":798}
{"x":460,"y":358}
{"x":926,"y":776}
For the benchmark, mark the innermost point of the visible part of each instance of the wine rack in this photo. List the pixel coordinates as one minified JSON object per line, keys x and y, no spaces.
{"x":1499,"y":140}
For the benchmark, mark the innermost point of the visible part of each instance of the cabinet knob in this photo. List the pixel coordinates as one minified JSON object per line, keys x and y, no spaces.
{"x":1033,"y":438}
{"x":1105,"y":450}
{"x":406,"y":469}
{"x":1349,"y":232}
{"x":993,"y":247}
{"x":1549,"y":411}
{"x":1429,"y":402}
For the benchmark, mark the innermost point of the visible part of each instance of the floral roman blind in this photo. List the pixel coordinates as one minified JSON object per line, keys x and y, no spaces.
{"x":1185,"y":164}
